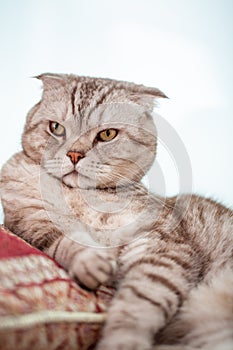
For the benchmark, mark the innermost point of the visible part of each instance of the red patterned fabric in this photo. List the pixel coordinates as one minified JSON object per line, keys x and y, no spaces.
{"x":41,"y":308}
{"x":12,"y":246}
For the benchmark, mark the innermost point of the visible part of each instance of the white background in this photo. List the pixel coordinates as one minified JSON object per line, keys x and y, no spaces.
{"x":185,"y":48}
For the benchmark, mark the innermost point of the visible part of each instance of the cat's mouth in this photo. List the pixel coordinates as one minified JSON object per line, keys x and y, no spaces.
{"x":73,"y":172}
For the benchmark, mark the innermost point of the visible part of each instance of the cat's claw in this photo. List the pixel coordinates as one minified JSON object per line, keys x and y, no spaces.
{"x":93,"y":267}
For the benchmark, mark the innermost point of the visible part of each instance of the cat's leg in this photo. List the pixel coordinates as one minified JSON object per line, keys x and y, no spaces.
{"x":205,"y":320}
{"x":91,"y":267}
{"x":152,"y":290}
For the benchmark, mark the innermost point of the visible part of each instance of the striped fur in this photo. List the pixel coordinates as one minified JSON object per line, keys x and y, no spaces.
{"x":170,"y":259}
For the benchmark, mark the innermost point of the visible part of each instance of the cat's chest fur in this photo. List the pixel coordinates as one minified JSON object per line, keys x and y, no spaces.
{"x":92,"y":216}
{"x":110,"y":218}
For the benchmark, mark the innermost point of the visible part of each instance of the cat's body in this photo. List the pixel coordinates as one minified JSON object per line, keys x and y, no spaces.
{"x":171,"y":259}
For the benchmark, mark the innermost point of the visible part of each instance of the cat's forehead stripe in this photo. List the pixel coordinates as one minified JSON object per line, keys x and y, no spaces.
{"x":73,"y":99}
{"x":100,"y":100}
{"x":87,"y":96}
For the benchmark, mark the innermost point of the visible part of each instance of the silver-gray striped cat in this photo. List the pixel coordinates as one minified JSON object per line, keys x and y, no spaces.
{"x":76,"y":188}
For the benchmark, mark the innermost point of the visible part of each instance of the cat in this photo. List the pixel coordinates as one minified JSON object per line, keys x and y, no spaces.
{"x":75,"y":192}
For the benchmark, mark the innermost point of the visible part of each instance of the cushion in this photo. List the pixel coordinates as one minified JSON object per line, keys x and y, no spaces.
{"x":41,"y":308}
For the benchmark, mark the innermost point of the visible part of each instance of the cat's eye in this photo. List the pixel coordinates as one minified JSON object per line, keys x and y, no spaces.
{"x":57,"y":129}
{"x":107,"y":135}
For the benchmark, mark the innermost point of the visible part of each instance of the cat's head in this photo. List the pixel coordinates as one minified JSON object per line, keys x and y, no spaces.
{"x":92,"y":132}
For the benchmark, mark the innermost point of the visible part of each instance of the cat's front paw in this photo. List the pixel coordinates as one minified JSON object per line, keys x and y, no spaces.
{"x":92,"y":267}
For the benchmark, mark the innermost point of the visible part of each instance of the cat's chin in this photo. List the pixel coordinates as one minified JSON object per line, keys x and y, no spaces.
{"x":71,"y":180}
{"x":76,"y":180}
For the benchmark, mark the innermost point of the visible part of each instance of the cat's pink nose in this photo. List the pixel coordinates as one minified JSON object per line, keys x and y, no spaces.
{"x":74,"y":156}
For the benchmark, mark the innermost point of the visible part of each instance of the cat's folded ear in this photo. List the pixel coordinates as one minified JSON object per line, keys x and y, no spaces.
{"x":51,"y":81}
{"x":145,"y":96}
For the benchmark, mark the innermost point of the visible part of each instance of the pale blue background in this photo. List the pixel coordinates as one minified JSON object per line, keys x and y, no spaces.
{"x":184,"y":47}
